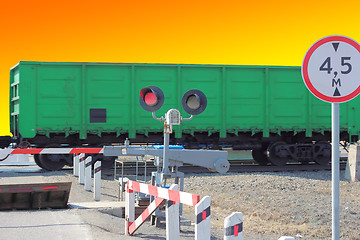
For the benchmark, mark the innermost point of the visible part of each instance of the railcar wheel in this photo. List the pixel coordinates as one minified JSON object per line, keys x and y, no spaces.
{"x":37,"y":160}
{"x":259,"y":155}
{"x":109,"y":163}
{"x":106,"y":162}
{"x":324,"y":156}
{"x":69,"y":159}
{"x":53,"y":162}
{"x":274,"y":152}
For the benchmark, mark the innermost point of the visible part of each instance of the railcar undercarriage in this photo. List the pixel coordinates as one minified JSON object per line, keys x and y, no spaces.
{"x":276,"y":149}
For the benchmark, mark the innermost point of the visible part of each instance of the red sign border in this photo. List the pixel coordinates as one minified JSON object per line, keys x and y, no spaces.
{"x":305,"y":75}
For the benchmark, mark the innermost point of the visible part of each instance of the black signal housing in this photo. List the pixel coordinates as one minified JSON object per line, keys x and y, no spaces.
{"x":151,"y":98}
{"x":194,"y":102}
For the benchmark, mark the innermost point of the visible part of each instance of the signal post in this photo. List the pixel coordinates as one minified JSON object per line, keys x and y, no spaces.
{"x":194,"y":102}
{"x":151,"y":99}
{"x":331,"y":72}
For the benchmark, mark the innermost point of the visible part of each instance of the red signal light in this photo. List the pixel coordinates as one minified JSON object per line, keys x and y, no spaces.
{"x":151,"y":98}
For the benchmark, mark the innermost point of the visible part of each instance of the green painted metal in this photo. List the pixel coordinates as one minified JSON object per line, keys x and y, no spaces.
{"x":50,"y":97}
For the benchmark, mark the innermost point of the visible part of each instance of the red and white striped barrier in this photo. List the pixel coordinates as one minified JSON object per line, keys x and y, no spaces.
{"x":51,"y":150}
{"x":145,"y":215}
{"x":202,"y":209}
{"x":172,"y":195}
{"x":233,"y":226}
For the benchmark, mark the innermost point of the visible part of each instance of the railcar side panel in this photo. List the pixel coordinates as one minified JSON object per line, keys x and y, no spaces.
{"x":245,"y":102}
{"x":98,"y":99}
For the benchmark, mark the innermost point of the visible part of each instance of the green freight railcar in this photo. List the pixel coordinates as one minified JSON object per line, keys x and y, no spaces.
{"x":264,"y":108}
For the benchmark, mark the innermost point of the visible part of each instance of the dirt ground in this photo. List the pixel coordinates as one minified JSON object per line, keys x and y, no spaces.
{"x":281,"y":203}
{"x":296,"y":204}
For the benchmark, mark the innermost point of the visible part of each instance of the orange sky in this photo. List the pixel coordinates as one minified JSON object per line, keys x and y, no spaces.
{"x":166,"y":31}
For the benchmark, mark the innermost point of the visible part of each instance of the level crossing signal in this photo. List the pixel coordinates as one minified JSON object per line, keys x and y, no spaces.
{"x":194,"y":102}
{"x":152,"y":98}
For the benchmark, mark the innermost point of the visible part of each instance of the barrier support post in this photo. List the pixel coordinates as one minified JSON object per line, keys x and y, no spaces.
{"x":202,"y":219}
{"x":352,"y":172}
{"x":76,"y":165}
{"x":97,"y":181}
{"x":81,"y":170}
{"x":172,"y":218}
{"x":202,"y":209}
{"x":233,"y":226}
{"x":87,"y":185}
{"x":129,"y":208}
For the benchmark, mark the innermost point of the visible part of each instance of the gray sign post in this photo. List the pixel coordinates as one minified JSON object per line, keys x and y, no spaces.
{"x":331,"y":72}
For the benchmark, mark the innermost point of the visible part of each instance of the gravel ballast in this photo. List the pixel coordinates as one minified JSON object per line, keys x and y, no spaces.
{"x":275,"y":204}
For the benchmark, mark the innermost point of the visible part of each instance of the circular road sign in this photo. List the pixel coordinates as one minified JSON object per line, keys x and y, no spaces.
{"x":331,"y":69}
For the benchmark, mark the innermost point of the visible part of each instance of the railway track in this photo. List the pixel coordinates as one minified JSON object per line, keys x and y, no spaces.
{"x":236,"y":167}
